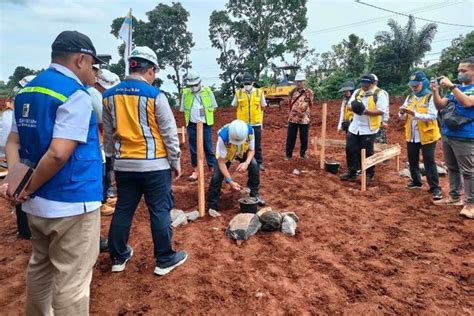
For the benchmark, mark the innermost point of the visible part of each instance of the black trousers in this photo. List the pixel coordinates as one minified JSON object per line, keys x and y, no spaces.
{"x":258,"y":144}
{"x":428,"y":152}
{"x":354,"y":144}
{"x":291,"y":138}
{"x":22,"y":223}
{"x":215,"y":185}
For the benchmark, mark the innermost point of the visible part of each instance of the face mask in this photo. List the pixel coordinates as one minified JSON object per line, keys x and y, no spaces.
{"x":248,"y":87}
{"x":464,"y":77}
{"x":196,"y":88}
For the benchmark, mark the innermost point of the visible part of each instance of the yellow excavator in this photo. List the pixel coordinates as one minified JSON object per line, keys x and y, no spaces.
{"x":277,"y":93}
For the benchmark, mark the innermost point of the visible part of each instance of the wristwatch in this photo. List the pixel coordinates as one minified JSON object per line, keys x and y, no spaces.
{"x":228,"y":180}
{"x":452,"y":87}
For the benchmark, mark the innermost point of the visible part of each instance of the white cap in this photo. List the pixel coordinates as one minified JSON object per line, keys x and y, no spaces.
{"x":238,"y":132}
{"x":145,"y":53}
{"x":107,"y":79}
{"x":300,"y":77}
{"x":26,"y":80}
{"x":375,"y":77}
{"x":192,"y":78}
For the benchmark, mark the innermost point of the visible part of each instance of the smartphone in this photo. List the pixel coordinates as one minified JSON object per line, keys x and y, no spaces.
{"x":438,"y":80}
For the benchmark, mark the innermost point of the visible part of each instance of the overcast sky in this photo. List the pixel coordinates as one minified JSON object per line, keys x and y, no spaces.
{"x":28,"y":27}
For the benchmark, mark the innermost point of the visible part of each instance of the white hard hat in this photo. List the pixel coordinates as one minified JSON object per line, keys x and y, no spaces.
{"x":192,"y":78}
{"x":107,"y":79}
{"x":238,"y":132}
{"x":300,"y":77}
{"x":375,"y":77}
{"x":145,"y":53}
{"x":26,"y":80}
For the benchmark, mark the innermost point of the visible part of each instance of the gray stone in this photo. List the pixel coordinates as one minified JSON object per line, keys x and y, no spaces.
{"x":405,"y":173}
{"x":192,"y":216}
{"x":243,"y":225}
{"x":179,"y":219}
{"x":214,"y":213}
{"x":271,"y":221}
{"x":264,"y":210}
{"x":296,"y":172}
{"x":292,"y":215}
{"x":288,"y":226}
{"x":175,"y":213}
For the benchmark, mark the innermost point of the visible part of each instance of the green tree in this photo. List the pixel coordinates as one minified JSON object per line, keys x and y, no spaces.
{"x":17,"y":75}
{"x":397,"y":51}
{"x":461,"y":47}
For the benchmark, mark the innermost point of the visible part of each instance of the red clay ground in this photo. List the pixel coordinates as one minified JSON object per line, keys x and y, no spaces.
{"x":387,"y":250}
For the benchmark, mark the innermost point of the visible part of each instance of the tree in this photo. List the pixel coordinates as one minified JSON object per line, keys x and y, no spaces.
{"x":18,"y":74}
{"x":461,"y":47}
{"x":166,"y":33}
{"x":400,"y":49}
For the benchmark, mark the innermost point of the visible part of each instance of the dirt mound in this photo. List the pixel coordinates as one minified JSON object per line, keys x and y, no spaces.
{"x":387,"y":250}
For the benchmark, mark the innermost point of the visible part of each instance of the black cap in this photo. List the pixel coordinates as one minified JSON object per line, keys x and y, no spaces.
{"x":367,"y":79}
{"x":247,"y":78}
{"x":357,"y":107}
{"x":75,"y":42}
{"x":347,"y":86}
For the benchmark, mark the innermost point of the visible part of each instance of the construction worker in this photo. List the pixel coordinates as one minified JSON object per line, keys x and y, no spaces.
{"x":299,"y":107}
{"x":382,"y":136}
{"x":55,"y":133}
{"x":457,"y":133}
{"x":140,"y":133}
{"x":421,"y":133}
{"x":250,"y":102}
{"x":235,"y":141}
{"x":198,"y":104}
{"x":368,"y":105}
{"x":7,"y":114}
{"x":345,"y":115}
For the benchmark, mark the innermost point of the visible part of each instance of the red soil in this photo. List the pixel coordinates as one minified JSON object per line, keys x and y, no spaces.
{"x":387,"y":250}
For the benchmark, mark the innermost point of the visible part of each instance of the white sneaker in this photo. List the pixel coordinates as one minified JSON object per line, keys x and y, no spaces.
{"x":119,"y":266}
{"x":214,"y":213}
{"x":180,"y":258}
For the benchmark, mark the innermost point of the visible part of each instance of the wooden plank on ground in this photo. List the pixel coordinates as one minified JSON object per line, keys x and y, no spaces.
{"x":390,"y":152}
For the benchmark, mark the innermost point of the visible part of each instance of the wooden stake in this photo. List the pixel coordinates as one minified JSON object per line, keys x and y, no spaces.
{"x":200,"y":162}
{"x":398,"y":163}
{"x":183,"y":134}
{"x":363,"y":179}
{"x":323,"y":136}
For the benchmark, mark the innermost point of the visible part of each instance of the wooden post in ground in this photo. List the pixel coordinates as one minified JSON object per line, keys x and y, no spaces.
{"x":183,"y":134}
{"x":363,"y":176}
{"x":200,"y":162}
{"x":323,"y":136}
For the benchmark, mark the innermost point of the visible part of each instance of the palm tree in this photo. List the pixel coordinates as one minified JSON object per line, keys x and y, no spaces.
{"x":399,"y":50}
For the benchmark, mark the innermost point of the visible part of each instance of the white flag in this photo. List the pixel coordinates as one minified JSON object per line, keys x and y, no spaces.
{"x":125,"y":33}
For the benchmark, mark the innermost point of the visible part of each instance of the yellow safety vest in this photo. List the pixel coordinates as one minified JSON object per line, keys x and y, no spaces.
{"x":347,"y":112}
{"x":374,"y":121}
{"x":429,"y":131}
{"x":249,"y":110}
{"x":137,"y":135}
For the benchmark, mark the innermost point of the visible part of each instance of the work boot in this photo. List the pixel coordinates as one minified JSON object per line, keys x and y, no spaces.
{"x":449,"y":201}
{"x":437,"y":194}
{"x":347,"y":176}
{"x":468,"y":211}
{"x":106,"y":210}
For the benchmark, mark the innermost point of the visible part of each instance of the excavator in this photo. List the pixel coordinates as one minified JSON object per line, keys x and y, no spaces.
{"x":277,"y":93}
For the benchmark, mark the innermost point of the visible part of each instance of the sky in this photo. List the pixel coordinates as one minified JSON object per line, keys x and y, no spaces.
{"x":28,"y":27}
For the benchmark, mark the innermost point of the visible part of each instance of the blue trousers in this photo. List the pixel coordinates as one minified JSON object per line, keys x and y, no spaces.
{"x":208,"y":149}
{"x":155,"y":186}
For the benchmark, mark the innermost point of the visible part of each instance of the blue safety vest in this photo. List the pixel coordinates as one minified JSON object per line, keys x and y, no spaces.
{"x":80,"y":179}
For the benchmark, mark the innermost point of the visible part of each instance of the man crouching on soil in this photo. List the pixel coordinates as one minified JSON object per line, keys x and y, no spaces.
{"x":235,"y":141}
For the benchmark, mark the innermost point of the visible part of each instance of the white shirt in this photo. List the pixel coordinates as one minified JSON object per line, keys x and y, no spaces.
{"x":430,"y":116}
{"x":360,"y":123}
{"x":197,"y":108}
{"x":5,"y":126}
{"x":72,"y":122}
{"x":221,"y":149}
{"x":263,"y":102}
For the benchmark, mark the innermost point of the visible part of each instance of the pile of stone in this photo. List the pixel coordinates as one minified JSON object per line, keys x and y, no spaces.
{"x":180,"y":218}
{"x":245,"y":225}
{"x":405,"y":173}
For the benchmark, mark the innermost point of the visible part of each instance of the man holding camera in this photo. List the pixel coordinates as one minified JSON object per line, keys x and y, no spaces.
{"x":368,"y":104}
{"x":457,"y":130}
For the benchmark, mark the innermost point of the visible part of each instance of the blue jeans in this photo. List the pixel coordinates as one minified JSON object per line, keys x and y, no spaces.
{"x":207,"y":138}
{"x":156,"y":187}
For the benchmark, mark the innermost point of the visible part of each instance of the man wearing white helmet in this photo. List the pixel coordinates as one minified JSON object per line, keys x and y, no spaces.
{"x":299,"y":106}
{"x":198,"y":104}
{"x":140,"y":133}
{"x":23,"y":230}
{"x":235,"y":141}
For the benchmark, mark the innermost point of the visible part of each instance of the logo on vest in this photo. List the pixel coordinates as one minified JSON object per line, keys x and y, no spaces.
{"x":26,"y":110}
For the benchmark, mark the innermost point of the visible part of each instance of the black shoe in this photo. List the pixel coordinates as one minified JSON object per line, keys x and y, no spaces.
{"x":287,"y":158}
{"x":437,"y":194}
{"x":369,"y":179}
{"x":104,"y":244}
{"x":413,"y":185}
{"x":347,"y":176}
{"x":119,"y":265}
{"x":165,"y":268}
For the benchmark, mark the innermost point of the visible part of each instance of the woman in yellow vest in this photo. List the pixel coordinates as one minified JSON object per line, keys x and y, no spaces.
{"x":421,"y":133}
{"x":345,"y":116}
